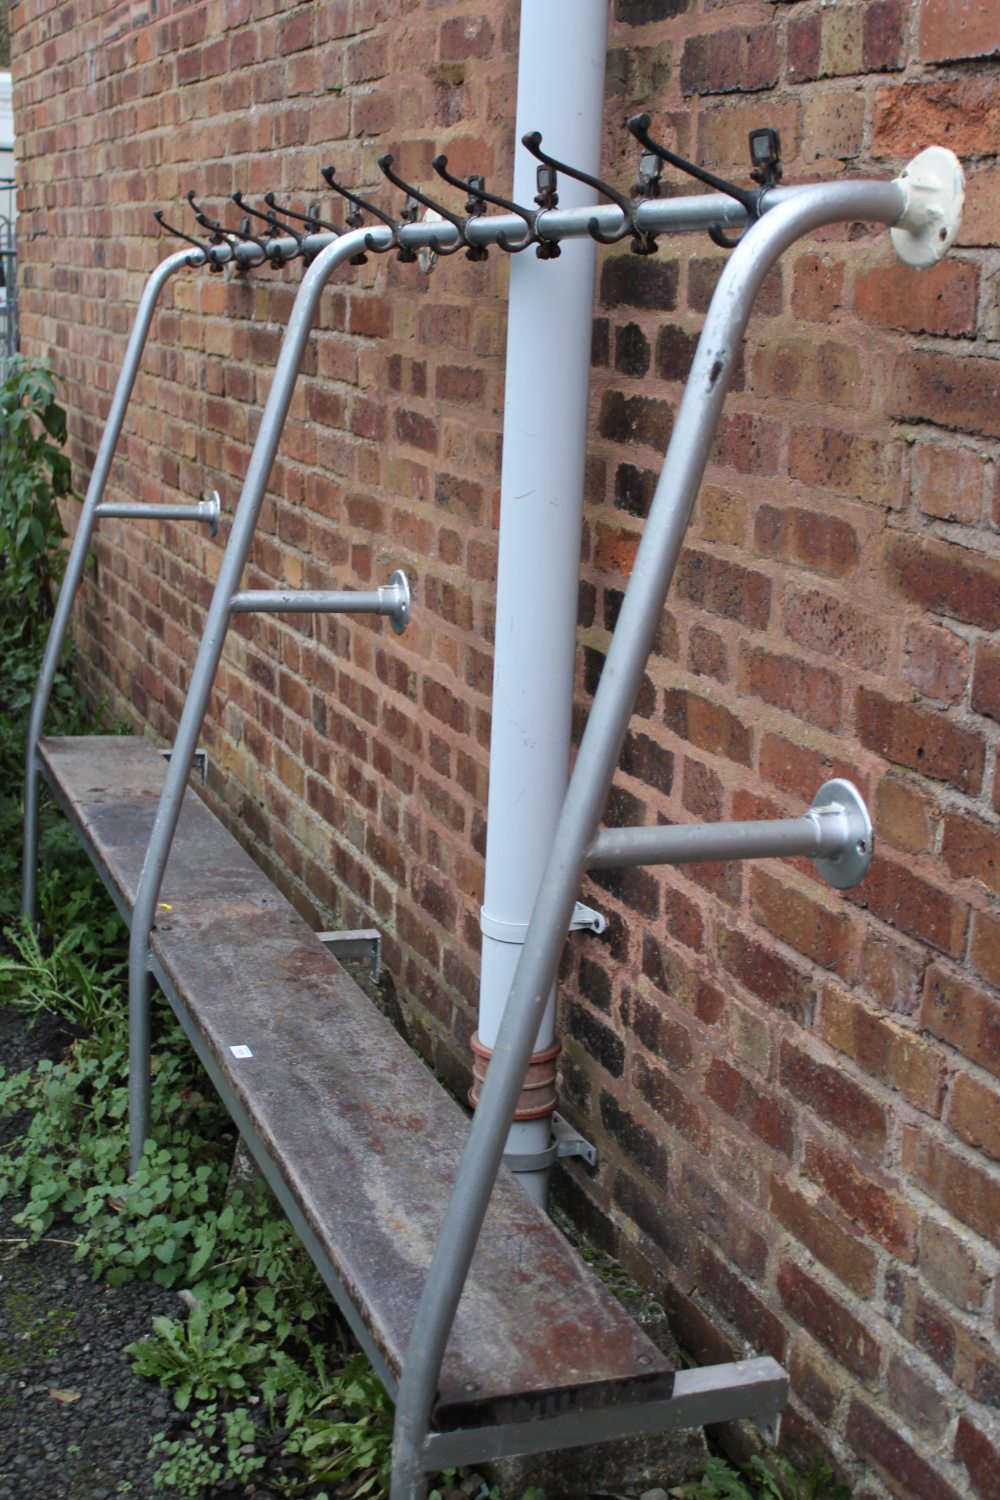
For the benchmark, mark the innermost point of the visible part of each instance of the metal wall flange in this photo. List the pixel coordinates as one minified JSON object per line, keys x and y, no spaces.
{"x":849,"y":864}
{"x":399,"y":616}
{"x":934,"y":186}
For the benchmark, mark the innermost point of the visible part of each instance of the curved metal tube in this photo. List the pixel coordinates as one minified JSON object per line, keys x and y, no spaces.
{"x":685,"y":461}
{"x":207,"y":661}
{"x":78,"y":556}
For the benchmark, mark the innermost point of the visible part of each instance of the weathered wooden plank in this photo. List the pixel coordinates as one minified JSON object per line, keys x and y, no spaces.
{"x":366,"y":1139}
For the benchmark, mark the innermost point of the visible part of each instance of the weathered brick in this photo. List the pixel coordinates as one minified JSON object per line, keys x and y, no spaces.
{"x":948,"y":1265}
{"x":961,"y":394}
{"x":829,"y":1321}
{"x":886,"y":1051}
{"x":874,"y":1206}
{"x":638,"y":1143}
{"x":971,"y":850}
{"x":862,"y":468}
{"x":639,"y":281}
{"x":598,"y":1039}
{"x":906,"y":1473}
{"x":635,"y":419}
{"x":850,"y":1260}
{"x":947,"y":579}
{"x":822,"y":543}
{"x":942,"y":302}
{"x":707,"y":725}
{"x":717,"y":1215}
{"x":984,"y":946}
{"x":724,"y":588}
{"x":935,"y":662}
{"x":672,"y":1104}
{"x":962,"y":113}
{"x":894,"y":893}
{"x":925,"y":1406}
{"x":963,"y":1015}
{"x":723,"y":129}
{"x":809,"y":692}
{"x":765,"y":974}
{"x":835,"y":1097}
{"x":816,"y":930}
{"x":737,"y":60}
{"x":986,"y":680}
{"x":642,"y":12}
{"x":741,"y":1306}
{"x":946,"y":482}
{"x":921,"y":740}
{"x":834,"y":626}
{"x":756,"y":1110}
{"x":800,"y":370}
{"x":817,"y":287}
{"x":952,"y":29}
{"x":966,"y":1191}
{"x":980,"y":1457}
{"x":904,"y":815}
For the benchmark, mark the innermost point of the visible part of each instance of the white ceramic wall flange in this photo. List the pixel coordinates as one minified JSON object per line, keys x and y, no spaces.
{"x":934,"y":186}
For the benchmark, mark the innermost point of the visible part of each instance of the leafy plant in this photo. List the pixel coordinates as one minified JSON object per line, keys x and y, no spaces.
{"x":774,"y":1478}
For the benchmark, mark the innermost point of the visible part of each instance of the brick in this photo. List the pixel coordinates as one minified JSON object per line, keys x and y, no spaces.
{"x":884,"y":38}
{"x":984,"y":946}
{"x":701,"y":791}
{"x":966,"y":1191}
{"x":817,"y":287}
{"x":921,"y":740}
{"x":634,"y":489}
{"x":639,"y":281}
{"x":935,"y":662}
{"x":828,"y":1321}
{"x":951,"y":29}
{"x":904,"y":1471}
{"x":886,"y":1051}
{"x":941,"y":301}
{"x":950,"y":1268}
{"x":651,"y":1214}
{"x":959,"y":393}
{"x":651,"y":762}
{"x":716,"y":1214}
{"x":833,"y":125}
{"x":817,"y":931}
{"x":637,"y":1143}
{"x":796,"y":369}
{"x":787,"y":682}
{"x":635,"y":419}
{"x":963,"y":1015}
{"x":875,"y":1207}
{"x":723,"y":129}
{"x":947,"y":483}
{"x":961,"y":113}
{"x":607,"y":1049}
{"x":724,"y":588}
{"x":707,"y":725}
{"x":665,"y":1038}
{"x":904,"y":815}
{"x":707,"y":654}
{"x":632,"y":351}
{"x":642,"y":12}
{"x":986,"y":680}
{"x":746,"y":443}
{"x":835,"y":1097}
{"x":729,"y":1294}
{"x":895,"y":894}
{"x":925,"y":1407}
{"x":862,"y":468}
{"x":742,"y":1099}
{"x":971,"y":850}
{"x":737,"y":60}
{"x":981,"y":212}
{"x":465,"y":37}
{"x":765,"y":974}
{"x":821,"y":543}
{"x":980,"y":1457}
{"x":850,"y":1260}
{"x":675,"y":349}
{"x":946,"y":579}
{"x":672,"y":1104}
{"x":833,"y":626}
{"x":615,"y":549}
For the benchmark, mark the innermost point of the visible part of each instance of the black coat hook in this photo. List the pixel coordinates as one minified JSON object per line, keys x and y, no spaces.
{"x":359,"y":207}
{"x":533,"y":142}
{"x":415,"y":196}
{"x":638,"y":125}
{"x":476,"y":207}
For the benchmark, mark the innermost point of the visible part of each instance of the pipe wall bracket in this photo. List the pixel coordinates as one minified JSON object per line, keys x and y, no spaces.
{"x":933,"y":184}
{"x":849,"y":864}
{"x":565,"y":1142}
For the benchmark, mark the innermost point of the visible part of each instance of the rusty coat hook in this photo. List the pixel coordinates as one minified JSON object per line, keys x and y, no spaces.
{"x":533,"y":142}
{"x":354,"y":219}
{"x":638,"y":125}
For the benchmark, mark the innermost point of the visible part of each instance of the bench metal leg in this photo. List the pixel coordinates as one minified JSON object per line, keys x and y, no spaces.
{"x":209,"y":653}
{"x":687,"y":455}
{"x":77,"y":559}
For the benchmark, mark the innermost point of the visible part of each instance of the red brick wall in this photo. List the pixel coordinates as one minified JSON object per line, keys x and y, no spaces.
{"x":794,"y":1092}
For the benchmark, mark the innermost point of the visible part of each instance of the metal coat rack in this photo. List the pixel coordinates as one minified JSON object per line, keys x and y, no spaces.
{"x":924,"y":207}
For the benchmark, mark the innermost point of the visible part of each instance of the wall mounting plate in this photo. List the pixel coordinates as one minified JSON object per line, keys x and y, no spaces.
{"x":934,"y":185}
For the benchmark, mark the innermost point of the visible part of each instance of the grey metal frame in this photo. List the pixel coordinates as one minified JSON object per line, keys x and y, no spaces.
{"x":836,"y":831}
{"x":76,"y":561}
{"x":797,"y":214}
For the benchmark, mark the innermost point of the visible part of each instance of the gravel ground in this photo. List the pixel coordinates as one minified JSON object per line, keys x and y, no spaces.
{"x":75,"y":1423}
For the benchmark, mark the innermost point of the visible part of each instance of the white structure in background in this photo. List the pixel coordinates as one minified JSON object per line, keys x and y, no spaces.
{"x":8,"y":213}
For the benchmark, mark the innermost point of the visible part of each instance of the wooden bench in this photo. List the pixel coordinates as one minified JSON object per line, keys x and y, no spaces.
{"x":355,"y":1136}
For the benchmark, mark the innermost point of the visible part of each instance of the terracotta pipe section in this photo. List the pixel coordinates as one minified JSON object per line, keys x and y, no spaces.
{"x":538,"y":1098}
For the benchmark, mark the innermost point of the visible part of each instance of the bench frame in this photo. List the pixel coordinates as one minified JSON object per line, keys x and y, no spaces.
{"x":755,"y":1388}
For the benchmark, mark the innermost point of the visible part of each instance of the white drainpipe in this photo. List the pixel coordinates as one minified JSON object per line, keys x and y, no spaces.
{"x":560,"y":92}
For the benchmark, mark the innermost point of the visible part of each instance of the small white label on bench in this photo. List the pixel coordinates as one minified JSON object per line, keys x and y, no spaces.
{"x":241,"y":1051}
